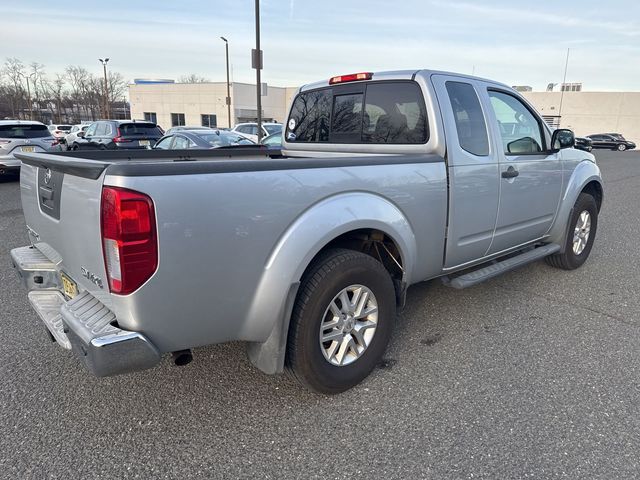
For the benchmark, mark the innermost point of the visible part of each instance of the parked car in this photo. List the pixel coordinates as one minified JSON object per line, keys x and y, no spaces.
{"x":184,"y":127}
{"x":250,"y":130}
{"x":273,"y":141}
{"x":22,"y":136}
{"x":77,"y":131}
{"x":201,"y":139}
{"x":59,"y":131}
{"x":306,"y":258}
{"x":584,"y":143}
{"x":611,"y":141}
{"x":118,"y":134}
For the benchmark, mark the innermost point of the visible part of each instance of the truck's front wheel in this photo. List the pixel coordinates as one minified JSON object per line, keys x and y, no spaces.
{"x":583,"y":226}
{"x":342,"y":321}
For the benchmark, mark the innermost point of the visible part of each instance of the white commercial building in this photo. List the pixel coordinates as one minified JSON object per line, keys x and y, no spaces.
{"x":171,"y":104}
{"x":591,"y":112}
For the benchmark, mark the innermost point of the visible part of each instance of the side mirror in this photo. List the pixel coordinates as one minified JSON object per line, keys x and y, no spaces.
{"x":80,"y":134}
{"x":562,"y":138}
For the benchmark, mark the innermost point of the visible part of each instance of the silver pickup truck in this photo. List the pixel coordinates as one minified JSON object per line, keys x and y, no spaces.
{"x":384,"y":180}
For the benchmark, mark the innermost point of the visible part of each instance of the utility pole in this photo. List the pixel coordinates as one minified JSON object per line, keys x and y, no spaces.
{"x":106,"y":87}
{"x":257,"y":64}
{"x":226,"y":47}
{"x":562,"y":88}
{"x":27,"y":77}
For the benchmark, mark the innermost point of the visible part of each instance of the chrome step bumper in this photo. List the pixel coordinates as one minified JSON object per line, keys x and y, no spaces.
{"x":35,"y":270}
{"x":83,"y":324}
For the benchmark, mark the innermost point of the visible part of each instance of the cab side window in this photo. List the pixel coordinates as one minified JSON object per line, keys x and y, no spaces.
{"x":467,"y":113}
{"x":520,"y":130}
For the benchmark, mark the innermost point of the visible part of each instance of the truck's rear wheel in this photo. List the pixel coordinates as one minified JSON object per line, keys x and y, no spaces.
{"x":342,"y":321}
{"x":582,"y":232}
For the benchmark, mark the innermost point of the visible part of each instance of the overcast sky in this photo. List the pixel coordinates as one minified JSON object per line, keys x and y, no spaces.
{"x":515,"y":42}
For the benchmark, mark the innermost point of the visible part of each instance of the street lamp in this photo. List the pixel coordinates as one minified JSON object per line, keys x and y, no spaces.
{"x":27,"y":77}
{"x":226,"y":48}
{"x":106,"y":88}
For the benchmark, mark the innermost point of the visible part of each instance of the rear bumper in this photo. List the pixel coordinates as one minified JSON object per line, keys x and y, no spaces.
{"x":82,"y":324}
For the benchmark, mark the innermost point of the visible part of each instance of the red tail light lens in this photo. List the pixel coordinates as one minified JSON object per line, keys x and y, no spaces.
{"x":352,"y":77}
{"x":129,"y":238}
{"x":118,"y":138}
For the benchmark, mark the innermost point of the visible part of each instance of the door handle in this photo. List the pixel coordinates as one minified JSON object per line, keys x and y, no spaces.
{"x":510,"y":172}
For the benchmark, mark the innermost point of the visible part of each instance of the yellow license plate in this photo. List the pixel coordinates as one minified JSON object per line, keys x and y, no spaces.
{"x":144,"y":143}
{"x":68,"y":286}
{"x":29,"y":149}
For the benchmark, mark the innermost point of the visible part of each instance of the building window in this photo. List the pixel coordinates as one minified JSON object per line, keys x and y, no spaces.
{"x":209,"y":120}
{"x":151,"y":117}
{"x":177,"y":119}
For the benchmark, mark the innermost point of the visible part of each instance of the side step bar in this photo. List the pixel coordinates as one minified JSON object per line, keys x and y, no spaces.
{"x":495,"y":269}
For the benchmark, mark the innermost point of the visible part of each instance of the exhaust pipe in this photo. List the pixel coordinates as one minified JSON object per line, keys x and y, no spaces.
{"x":182,"y":357}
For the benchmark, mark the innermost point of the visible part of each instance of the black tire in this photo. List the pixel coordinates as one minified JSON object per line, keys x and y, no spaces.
{"x":74,"y":147}
{"x":622,"y":147}
{"x":569,"y":260}
{"x":330,"y":273}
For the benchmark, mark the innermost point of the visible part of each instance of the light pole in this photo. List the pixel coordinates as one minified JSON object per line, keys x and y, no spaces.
{"x":106,"y":88}
{"x":226,"y":48}
{"x":563,"y":87}
{"x":27,"y":77}
{"x":257,"y":64}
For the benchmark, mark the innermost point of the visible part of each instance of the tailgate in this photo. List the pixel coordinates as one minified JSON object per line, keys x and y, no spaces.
{"x":61,"y":204}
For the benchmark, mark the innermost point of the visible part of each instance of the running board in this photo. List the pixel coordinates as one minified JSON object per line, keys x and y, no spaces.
{"x":495,"y":269}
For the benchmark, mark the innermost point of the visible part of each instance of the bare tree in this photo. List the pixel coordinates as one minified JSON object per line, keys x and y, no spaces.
{"x":193,"y":78}
{"x":14,"y":70}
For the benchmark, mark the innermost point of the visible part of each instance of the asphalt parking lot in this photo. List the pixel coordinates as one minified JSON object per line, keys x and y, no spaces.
{"x":531,"y":375}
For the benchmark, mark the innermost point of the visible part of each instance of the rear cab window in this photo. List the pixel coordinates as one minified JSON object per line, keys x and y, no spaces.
{"x":384,"y":112}
{"x":18,"y":131}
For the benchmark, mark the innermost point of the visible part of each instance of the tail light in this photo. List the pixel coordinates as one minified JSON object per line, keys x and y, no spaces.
{"x":118,"y":138}
{"x":129,"y":238}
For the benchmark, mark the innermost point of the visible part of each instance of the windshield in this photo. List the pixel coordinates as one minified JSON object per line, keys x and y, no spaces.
{"x":272,"y":128}
{"x":66,"y":128}
{"x":24,"y":131}
{"x":139,"y":129}
{"x":224,"y":139}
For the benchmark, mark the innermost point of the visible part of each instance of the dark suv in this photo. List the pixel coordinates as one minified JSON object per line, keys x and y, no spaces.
{"x":612,"y":141}
{"x":118,"y":134}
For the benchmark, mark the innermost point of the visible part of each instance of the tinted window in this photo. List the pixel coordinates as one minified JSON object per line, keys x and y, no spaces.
{"x":147,"y":129}
{"x":467,"y":113}
{"x":519,"y":128}
{"x":164,"y":144}
{"x":310,"y":117}
{"x":91,"y":130}
{"x":64,"y":128}
{"x":394,"y":113}
{"x":347,"y":114}
{"x":272,"y":128}
{"x":181,"y":142}
{"x":223,"y":139}
{"x":24,"y":131}
{"x":101,"y":130}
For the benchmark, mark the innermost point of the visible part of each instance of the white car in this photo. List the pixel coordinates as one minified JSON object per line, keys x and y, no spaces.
{"x":72,"y":135}
{"x":59,"y":130}
{"x":250,"y":130}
